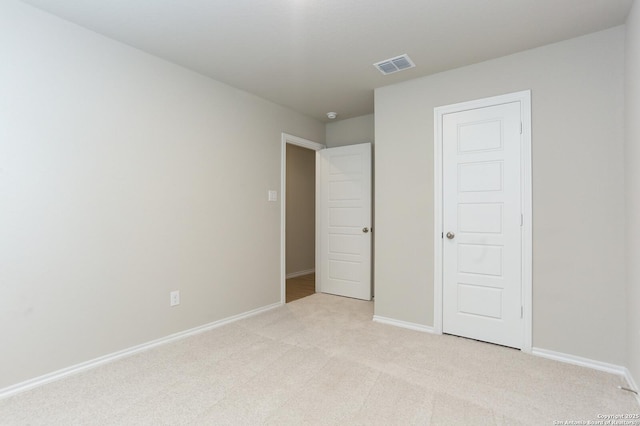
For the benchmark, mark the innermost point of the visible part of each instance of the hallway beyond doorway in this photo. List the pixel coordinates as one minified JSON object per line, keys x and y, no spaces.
{"x":299,"y":287}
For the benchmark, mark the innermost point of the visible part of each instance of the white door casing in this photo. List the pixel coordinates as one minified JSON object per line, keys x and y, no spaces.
{"x":483,"y":278}
{"x":293,"y":140}
{"x":344,"y":221}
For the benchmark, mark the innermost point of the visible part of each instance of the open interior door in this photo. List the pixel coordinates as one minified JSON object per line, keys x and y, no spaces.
{"x":343,"y":263}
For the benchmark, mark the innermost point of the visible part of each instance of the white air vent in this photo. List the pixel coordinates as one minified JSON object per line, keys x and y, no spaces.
{"x":399,"y":63}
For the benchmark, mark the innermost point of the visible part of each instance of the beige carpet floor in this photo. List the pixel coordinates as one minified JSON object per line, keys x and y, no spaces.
{"x":321,"y":360}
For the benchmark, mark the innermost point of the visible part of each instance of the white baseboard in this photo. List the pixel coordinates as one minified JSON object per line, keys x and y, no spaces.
{"x":404,"y":324}
{"x":589,"y":363}
{"x":577,"y":360}
{"x":300,"y":273}
{"x":74,"y":369}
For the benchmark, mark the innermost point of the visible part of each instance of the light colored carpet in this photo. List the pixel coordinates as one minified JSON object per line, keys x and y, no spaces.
{"x":321,"y":360}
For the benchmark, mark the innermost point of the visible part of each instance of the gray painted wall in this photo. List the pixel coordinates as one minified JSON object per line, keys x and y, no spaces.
{"x":578,"y":189}
{"x":123,"y":177}
{"x":632,"y":169}
{"x":301,"y":209}
{"x":351,"y":131}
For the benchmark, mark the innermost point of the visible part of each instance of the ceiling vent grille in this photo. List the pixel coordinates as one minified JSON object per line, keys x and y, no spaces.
{"x":399,"y":63}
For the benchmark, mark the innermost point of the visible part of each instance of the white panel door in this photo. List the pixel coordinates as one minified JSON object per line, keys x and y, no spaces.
{"x":344,"y":257}
{"x":482,"y":219}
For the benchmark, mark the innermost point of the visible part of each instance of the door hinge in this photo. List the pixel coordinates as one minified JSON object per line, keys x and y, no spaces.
{"x":521,"y":311}
{"x":521,"y":127}
{"x":521,"y":219}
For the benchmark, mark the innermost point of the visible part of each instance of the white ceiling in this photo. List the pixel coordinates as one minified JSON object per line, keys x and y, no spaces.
{"x":316,"y":56}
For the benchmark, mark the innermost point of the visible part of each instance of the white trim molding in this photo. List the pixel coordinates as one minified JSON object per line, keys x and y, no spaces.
{"x":300,"y":273}
{"x":524,"y":97}
{"x":87,"y":365}
{"x":404,"y":324}
{"x":578,"y":360}
{"x":293,"y":140}
{"x":590,"y":363}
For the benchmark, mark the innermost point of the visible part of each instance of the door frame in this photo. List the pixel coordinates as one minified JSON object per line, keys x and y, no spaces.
{"x":524,"y":97}
{"x":305,"y":143}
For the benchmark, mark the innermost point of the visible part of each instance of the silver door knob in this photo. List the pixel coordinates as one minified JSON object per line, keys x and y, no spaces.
{"x":450,"y":235}
{"x":365,"y":230}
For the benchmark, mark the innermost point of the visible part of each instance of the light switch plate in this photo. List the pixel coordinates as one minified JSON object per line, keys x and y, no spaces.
{"x":174,"y":298}
{"x":273,"y":195}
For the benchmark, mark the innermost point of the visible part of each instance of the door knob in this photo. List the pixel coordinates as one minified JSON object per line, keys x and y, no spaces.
{"x":450,"y":235}
{"x":365,"y":230}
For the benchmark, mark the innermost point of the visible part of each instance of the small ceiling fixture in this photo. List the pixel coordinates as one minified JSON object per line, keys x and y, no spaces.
{"x":399,"y":63}
{"x":332,"y":115}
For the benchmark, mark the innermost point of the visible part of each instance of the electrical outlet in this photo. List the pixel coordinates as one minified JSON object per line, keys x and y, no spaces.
{"x":174,"y":298}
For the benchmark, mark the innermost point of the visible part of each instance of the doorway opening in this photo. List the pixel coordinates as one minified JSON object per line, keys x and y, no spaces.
{"x":298,"y":227}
